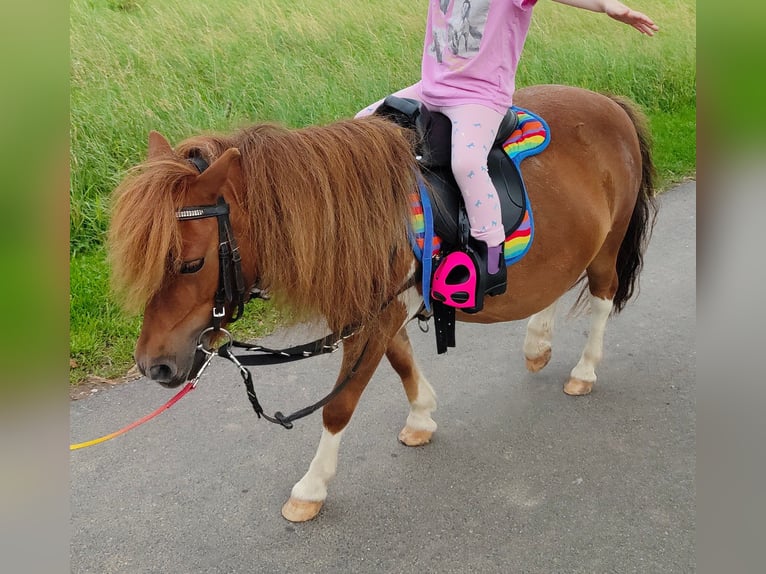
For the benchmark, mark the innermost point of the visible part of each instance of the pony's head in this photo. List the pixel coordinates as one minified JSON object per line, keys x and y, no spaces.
{"x":164,"y":250}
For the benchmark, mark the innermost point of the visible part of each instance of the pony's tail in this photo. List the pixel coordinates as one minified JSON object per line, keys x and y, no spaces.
{"x":630,"y":258}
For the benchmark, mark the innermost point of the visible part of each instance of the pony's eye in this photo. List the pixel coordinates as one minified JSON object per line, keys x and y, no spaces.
{"x":192,"y":266}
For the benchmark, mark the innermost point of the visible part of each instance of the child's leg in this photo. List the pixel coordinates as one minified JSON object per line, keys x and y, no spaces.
{"x":474,"y":128}
{"x":412,"y":92}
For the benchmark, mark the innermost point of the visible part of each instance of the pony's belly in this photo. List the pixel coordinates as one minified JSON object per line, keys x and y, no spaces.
{"x":501,"y":309}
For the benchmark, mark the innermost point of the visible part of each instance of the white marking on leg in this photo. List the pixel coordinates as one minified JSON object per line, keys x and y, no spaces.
{"x":423,"y":405}
{"x":585,"y":370}
{"x":419,"y":417}
{"x":539,"y":335}
{"x":313,"y":485}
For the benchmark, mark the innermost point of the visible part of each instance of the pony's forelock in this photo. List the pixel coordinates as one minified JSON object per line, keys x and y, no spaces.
{"x":143,"y":234}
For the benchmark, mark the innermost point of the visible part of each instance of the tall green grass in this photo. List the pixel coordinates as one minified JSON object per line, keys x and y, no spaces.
{"x":184,"y":67}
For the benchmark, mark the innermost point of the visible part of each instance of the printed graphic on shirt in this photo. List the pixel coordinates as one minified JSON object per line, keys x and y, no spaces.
{"x":457,"y":30}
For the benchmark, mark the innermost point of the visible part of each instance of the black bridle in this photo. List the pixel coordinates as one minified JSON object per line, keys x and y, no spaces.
{"x":231,"y":283}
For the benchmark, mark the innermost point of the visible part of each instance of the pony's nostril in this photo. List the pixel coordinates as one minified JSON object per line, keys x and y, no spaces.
{"x":162,"y":373}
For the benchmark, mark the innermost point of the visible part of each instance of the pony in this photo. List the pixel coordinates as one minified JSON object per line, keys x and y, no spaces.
{"x":321,"y":217}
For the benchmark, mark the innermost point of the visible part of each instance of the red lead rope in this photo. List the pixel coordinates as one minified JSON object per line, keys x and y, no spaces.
{"x":188,"y":387}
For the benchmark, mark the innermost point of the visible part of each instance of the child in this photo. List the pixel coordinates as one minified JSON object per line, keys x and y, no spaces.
{"x":471,"y":51}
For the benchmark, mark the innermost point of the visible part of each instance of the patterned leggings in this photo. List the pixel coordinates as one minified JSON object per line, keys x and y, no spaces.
{"x":473,"y":132}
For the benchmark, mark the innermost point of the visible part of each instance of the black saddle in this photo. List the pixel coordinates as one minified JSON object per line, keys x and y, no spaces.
{"x":433,"y":149}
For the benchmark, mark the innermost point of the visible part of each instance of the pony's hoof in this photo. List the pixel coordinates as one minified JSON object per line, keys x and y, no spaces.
{"x":412,"y":437}
{"x":576,"y":387}
{"x":296,"y":510}
{"x":535,"y":364}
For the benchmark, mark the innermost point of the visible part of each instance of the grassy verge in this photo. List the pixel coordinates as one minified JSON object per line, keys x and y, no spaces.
{"x":184,"y":67}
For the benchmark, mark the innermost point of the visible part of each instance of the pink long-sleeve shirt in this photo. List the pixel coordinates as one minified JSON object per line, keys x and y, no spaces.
{"x":472,"y":50}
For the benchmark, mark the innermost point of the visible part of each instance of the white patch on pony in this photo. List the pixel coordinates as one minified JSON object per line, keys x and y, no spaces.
{"x":585,"y":370}
{"x":422,"y":407}
{"x":313,"y":485}
{"x":539,"y":335}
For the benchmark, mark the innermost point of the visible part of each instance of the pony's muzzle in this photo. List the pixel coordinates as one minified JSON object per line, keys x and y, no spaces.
{"x":165,"y":372}
{"x":162,"y":373}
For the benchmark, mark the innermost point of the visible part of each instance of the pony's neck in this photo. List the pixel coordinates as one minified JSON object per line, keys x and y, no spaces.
{"x":327,"y":210}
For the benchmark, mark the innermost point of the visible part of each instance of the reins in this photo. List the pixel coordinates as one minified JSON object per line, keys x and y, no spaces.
{"x":327,"y":344}
{"x":268,"y":356}
{"x":278,"y":417}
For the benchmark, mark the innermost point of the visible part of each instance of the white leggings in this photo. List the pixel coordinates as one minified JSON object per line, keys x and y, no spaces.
{"x":474,"y":128}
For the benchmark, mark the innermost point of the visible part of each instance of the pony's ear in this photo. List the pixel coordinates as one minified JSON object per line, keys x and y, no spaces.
{"x":214,"y":177}
{"x":158,"y":146}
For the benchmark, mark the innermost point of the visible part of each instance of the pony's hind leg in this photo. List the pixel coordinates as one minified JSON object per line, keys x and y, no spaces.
{"x":419,"y":427}
{"x":602,"y":285}
{"x":583,"y":376}
{"x":537,"y":342}
{"x":361,"y":355}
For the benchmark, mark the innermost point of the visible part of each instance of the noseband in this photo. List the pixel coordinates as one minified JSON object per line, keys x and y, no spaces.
{"x":231,"y":283}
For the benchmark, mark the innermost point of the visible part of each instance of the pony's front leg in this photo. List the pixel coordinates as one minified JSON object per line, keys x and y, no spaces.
{"x":583,"y":376}
{"x":537,"y":342}
{"x":309,"y":493}
{"x":361,"y":355}
{"x":419,"y":427}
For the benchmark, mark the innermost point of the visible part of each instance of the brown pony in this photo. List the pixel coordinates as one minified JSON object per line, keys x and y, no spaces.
{"x":321,"y":217}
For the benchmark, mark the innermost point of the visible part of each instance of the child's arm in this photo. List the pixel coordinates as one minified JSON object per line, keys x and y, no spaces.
{"x":618,"y":11}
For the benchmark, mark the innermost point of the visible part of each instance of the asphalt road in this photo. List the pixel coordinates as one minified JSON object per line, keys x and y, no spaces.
{"x":519,"y":478}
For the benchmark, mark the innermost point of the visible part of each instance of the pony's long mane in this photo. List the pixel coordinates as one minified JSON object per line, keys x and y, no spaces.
{"x":328,"y":209}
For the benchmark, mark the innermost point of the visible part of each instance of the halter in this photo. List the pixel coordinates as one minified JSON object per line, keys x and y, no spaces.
{"x":231,"y":283}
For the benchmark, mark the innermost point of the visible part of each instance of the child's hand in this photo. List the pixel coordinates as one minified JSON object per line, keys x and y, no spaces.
{"x":638,"y":20}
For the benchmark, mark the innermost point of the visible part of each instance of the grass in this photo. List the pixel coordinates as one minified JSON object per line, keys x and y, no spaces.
{"x":192,"y":66}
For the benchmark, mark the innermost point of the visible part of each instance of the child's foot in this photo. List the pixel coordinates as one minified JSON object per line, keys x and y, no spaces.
{"x":463,"y":277}
{"x":495,"y":282}
{"x":493,"y":259}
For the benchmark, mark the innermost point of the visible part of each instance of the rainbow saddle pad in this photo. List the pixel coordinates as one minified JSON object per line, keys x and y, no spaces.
{"x":438,"y":219}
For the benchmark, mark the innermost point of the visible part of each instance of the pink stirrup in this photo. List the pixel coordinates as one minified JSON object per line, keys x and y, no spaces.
{"x":455,"y":281}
